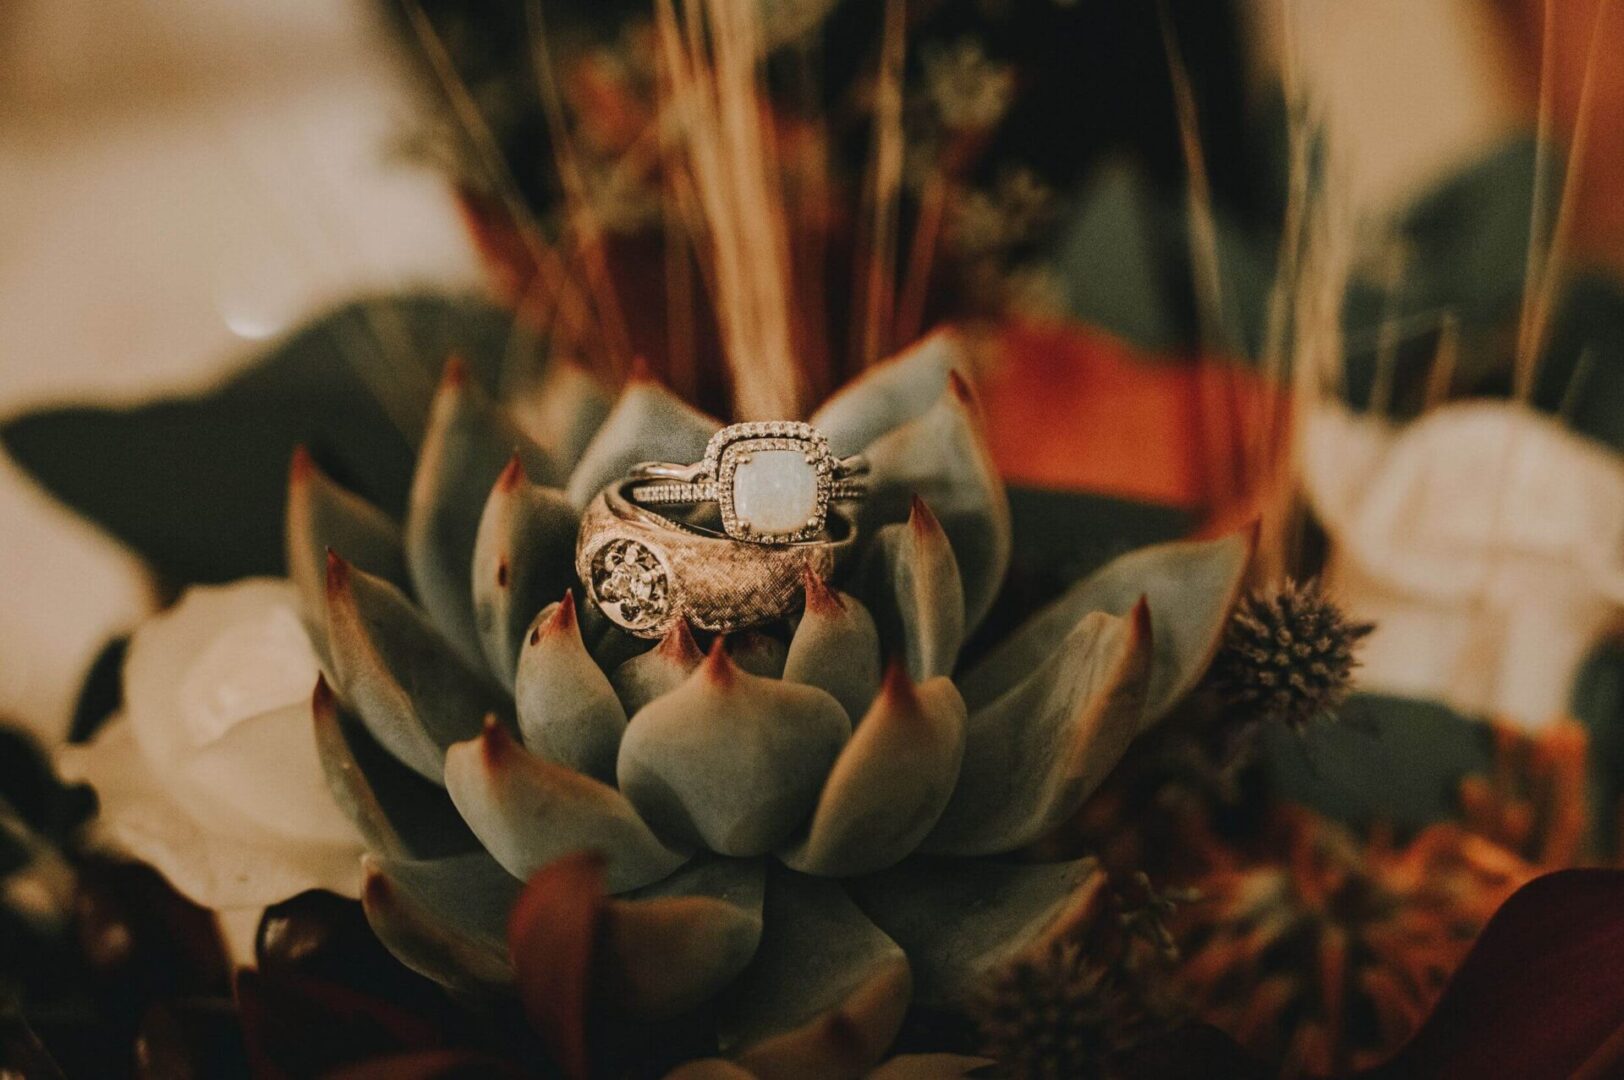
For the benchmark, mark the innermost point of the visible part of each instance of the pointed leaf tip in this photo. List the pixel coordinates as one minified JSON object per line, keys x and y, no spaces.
{"x":513,"y":475}
{"x":679,"y":645}
{"x":897,"y":690}
{"x":718,"y":667}
{"x":562,"y":620}
{"x":455,"y":374}
{"x":323,"y":702}
{"x":338,"y":573}
{"x":494,"y":741}
{"x":921,"y":517}
{"x":819,"y":597}
{"x":300,"y":465}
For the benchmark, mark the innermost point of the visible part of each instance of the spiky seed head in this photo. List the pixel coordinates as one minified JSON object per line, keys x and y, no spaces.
{"x":1288,"y":655}
{"x":1054,"y":1015}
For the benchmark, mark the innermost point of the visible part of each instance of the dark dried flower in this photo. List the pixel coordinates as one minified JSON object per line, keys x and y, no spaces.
{"x":1056,"y":1015}
{"x":1323,"y":951}
{"x":1288,"y":656}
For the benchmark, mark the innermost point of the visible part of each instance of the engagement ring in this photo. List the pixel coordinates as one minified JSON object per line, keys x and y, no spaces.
{"x":773,"y":481}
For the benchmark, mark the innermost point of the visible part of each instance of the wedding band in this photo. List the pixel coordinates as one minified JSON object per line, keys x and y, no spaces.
{"x":773,"y":481}
{"x":645,"y":571}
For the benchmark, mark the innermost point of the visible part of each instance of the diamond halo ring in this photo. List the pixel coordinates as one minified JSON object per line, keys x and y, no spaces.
{"x":773,"y":481}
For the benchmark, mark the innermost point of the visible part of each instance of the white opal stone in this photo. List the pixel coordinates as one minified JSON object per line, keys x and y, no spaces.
{"x":775,"y":491}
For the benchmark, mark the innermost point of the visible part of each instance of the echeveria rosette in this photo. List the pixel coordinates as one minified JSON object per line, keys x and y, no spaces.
{"x":797,"y":831}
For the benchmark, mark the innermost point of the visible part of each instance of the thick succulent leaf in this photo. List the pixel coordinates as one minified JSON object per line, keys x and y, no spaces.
{"x":426,"y":945}
{"x":826,"y":992}
{"x":960,"y":919}
{"x":398,"y":813}
{"x":469,"y":893}
{"x":1191,"y":587}
{"x":1033,"y":755}
{"x":675,"y":945}
{"x":660,"y":670}
{"x":528,"y":811}
{"x":196,"y":484}
{"x":890,"y":783}
{"x":731,"y":761}
{"x":942,"y":458}
{"x":468,"y":443}
{"x":931,"y":1067}
{"x":912,"y":580}
{"x":324,"y":517}
{"x":758,"y":653}
{"x":890,"y":394}
{"x":648,"y":423}
{"x":568,"y":712}
{"x":552,"y":937}
{"x":562,"y":410}
{"x":523,"y":559}
{"x":836,"y":647}
{"x":411,"y":691}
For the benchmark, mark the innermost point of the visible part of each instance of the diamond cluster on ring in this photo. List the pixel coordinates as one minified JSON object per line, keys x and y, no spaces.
{"x":630,"y":584}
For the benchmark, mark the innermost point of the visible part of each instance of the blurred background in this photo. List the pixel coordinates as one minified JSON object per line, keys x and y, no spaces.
{"x":182,"y":181}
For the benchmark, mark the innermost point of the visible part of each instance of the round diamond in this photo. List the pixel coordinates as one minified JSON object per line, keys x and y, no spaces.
{"x":630,"y":584}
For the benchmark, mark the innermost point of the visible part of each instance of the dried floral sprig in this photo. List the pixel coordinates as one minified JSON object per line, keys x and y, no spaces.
{"x":1288,"y":656}
{"x":1055,"y":1016}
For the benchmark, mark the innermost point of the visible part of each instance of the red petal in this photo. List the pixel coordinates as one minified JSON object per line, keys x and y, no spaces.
{"x":552,"y":935}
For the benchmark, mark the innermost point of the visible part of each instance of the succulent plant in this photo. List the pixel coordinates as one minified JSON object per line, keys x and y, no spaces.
{"x":800,"y":823}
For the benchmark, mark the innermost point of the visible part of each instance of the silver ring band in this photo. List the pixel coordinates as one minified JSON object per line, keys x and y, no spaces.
{"x":667,"y":492}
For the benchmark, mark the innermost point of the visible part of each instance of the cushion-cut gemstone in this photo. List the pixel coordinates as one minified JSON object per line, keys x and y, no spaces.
{"x":775,"y":491}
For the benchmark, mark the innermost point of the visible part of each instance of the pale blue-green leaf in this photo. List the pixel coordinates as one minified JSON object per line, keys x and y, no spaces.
{"x":826,"y":992}
{"x":568,"y":712}
{"x":941,"y":457}
{"x":731,"y":761}
{"x":468,"y":442}
{"x":912,"y":582}
{"x":1034,"y":754}
{"x":758,"y":653}
{"x":836,"y":647}
{"x":889,"y":394}
{"x":648,"y":423}
{"x":398,"y":813}
{"x":959,"y":920}
{"x":1191,"y":586}
{"x":462,"y":962}
{"x":890,"y":783}
{"x":469,"y":893}
{"x":324,"y":517}
{"x":562,"y":411}
{"x":675,"y":945}
{"x":528,"y":811}
{"x":524,"y":556}
{"x":410,"y":689}
{"x":660,"y":670}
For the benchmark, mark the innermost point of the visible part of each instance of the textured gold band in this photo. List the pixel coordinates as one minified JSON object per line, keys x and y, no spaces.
{"x":645,"y":571}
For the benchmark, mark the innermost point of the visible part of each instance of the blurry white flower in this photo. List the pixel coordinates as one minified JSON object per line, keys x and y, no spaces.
{"x":1485,"y":540}
{"x":211,"y":772}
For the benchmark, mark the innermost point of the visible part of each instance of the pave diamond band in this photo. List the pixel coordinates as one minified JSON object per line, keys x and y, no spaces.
{"x":671,"y":492}
{"x":645,"y":571}
{"x":772,"y":481}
